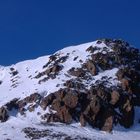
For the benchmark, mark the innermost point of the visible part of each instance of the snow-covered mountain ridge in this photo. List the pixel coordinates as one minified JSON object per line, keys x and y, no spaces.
{"x":96,"y":84}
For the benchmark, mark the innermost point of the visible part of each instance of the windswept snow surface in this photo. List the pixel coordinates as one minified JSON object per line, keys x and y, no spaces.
{"x":12,"y":129}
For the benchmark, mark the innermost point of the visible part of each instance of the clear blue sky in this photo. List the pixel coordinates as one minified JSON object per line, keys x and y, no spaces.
{"x":32,"y":28}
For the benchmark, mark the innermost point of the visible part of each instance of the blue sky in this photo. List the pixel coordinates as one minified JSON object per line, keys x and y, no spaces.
{"x":32,"y":28}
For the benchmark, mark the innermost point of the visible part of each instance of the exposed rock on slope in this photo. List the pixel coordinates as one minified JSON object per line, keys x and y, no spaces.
{"x":97,"y":84}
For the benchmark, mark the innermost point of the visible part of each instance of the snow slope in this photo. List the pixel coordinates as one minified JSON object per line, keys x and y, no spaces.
{"x":24,"y":83}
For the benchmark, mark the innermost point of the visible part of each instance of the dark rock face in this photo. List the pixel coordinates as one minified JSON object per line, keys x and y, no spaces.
{"x":107,"y":120}
{"x":127,"y":110}
{"x":3,"y":114}
{"x":12,"y":104}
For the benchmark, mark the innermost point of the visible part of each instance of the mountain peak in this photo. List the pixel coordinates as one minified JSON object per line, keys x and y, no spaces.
{"x":96,"y":83}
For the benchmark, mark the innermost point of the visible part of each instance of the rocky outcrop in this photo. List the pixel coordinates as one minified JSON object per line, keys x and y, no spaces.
{"x":101,"y":106}
{"x":91,"y":67}
{"x":77,"y":72}
{"x":31,"y":102}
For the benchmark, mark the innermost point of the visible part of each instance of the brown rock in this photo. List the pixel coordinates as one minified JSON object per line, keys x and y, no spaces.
{"x":120,"y":74}
{"x":71,"y":100}
{"x":76,"y":72}
{"x":33,"y":98}
{"x":127,"y":111}
{"x":61,"y":93}
{"x":107,"y":119}
{"x":56,"y":68}
{"x":47,"y":101}
{"x":92,"y":110}
{"x":91,"y":67}
{"x":3,"y":114}
{"x":64,"y":115}
{"x":114,"y":97}
{"x":91,"y":49}
{"x":57,"y":104}
{"x":74,"y":84}
{"x":82,"y":120}
{"x":125,"y":83}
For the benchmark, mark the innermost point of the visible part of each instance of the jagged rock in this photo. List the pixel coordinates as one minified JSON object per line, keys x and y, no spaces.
{"x":71,"y":100}
{"x":50,"y":118}
{"x":115,"y":96}
{"x":74,"y":84}
{"x":31,"y":108}
{"x":3,"y":114}
{"x":125,"y":84}
{"x":62,"y":111}
{"x":47,"y":101}
{"x":92,"y":49}
{"x":91,"y":67}
{"x":120,"y":74}
{"x":92,"y":110}
{"x":99,"y":42}
{"x":50,"y":72}
{"x":62,"y":59}
{"x":75,"y":58}
{"x":103,"y":92}
{"x":76,"y":72}
{"x":56,"y":68}
{"x":64,"y":115}
{"x":127,"y":110}
{"x":61,"y":93}
{"x":34,"y":101}
{"x":102,"y":60}
{"x":107,"y":120}
{"x":14,"y":73}
{"x":57,"y":104}
{"x":53,"y":57}
{"x":12,"y":104}
{"x":33,"y":98}
{"x":82,"y":120}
